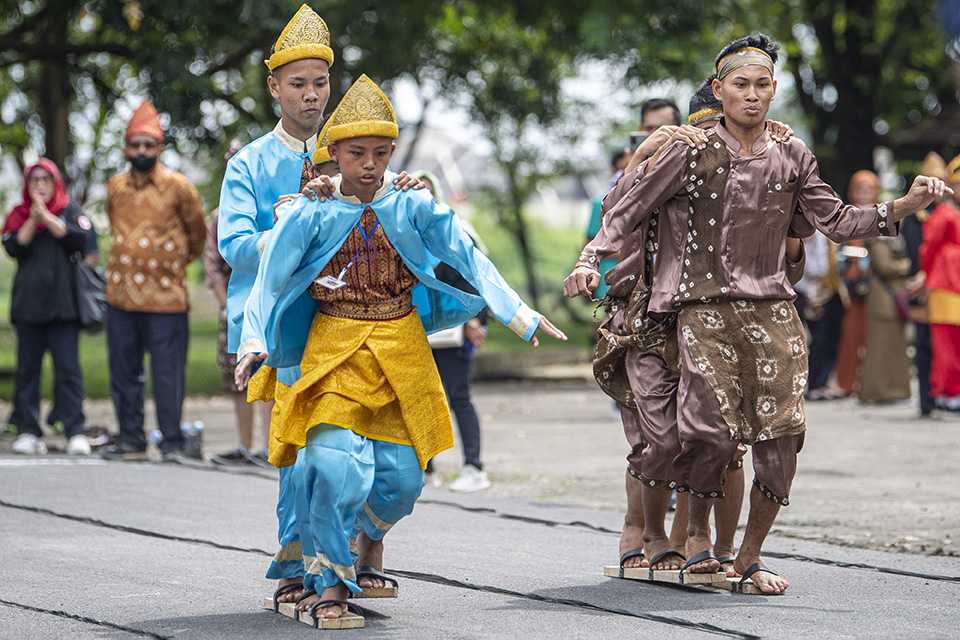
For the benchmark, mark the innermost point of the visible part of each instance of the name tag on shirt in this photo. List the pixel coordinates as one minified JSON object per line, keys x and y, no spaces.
{"x":331,"y":283}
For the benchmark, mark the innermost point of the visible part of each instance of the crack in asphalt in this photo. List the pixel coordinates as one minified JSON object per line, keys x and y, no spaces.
{"x":73,"y":616}
{"x":413,"y":575}
{"x":579,"y":524}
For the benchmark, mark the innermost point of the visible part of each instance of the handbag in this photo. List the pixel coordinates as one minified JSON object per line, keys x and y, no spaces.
{"x":91,"y":294}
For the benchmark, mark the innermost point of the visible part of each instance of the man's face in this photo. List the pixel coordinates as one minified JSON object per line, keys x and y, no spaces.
{"x":40,"y":185}
{"x":656,"y":118}
{"x":302,"y":87}
{"x":363,"y":161}
{"x":746,"y":94}
{"x":863,"y":192}
{"x":142,"y":146}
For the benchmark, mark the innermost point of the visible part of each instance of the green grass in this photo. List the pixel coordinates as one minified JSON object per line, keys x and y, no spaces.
{"x":555,"y":249}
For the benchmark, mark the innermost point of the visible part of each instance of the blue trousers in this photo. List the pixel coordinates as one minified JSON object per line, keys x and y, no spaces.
{"x":348,"y":484}
{"x":288,"y":562}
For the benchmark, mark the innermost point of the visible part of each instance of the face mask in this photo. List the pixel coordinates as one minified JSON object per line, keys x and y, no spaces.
{"x":143,"y":163}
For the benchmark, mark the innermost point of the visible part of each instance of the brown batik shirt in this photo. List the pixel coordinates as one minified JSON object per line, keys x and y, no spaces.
{"x":378,"y":283}
{"x":157,"y":226}
{"x":755,"y":201}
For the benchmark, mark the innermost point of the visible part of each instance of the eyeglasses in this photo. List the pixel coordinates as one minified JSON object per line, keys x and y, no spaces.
{"x":149,"y":145}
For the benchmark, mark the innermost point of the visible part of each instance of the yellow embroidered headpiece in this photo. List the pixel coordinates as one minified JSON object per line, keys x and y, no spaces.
{"x":704,"y":115}
{"x":321,"y":154}
{"x":364,"y":110}
{"x":305,"y":36}
{"x":953,"y":170}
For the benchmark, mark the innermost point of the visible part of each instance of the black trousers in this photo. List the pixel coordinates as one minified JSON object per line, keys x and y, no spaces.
{"x":62,"y":340}
{"x":164,"y":335}
{"x":922,"y":359}
{"x":825,"y":342}
{"x":454,"y":367}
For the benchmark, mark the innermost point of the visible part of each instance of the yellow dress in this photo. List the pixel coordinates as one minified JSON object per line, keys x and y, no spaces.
{"x":374,"y":375}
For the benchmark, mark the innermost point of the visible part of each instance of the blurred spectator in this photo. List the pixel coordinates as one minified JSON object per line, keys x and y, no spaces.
{"x":885,"y":374}
{"x":940,"y":257}
{"x":453,"y":351}
{"x":658,"y":112}
{"x":157,"y":225}
{"x":618,"y":161}
{"x":911,"y":229}
{"x":821,"y":308}
{"x":44,"y":234}
{"x":864,"y":189}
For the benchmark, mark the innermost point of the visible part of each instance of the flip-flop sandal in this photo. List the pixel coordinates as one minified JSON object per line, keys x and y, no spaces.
{"x":351,"y":618}
{"x":745,"y":583}
{"x":630,"y":555}
{"x":708,"y":579}
{"x":391,"y":588}
{"x":274,"y":603}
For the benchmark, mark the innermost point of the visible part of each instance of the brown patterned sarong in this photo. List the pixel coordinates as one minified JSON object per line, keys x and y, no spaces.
{"x":628,"y":326}
{"x":753,"y":354}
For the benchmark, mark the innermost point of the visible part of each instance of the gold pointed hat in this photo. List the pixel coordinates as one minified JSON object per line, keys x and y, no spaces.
{"x":305,"y":36}
{"x":933,"y":166}
{"x":364,"y":111}
{"x":321,"y":154}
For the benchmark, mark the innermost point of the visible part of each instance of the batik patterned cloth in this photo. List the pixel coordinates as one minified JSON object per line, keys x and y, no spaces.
{"x":753,"y":354}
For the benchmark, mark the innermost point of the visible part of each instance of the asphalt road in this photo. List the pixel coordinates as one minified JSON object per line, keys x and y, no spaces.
{"x":97,"y":550}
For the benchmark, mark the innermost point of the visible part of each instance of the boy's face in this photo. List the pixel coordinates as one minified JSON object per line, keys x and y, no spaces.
{"x":302,"y":87}
{"x":746,"y":95}
{"x":363,"y":161}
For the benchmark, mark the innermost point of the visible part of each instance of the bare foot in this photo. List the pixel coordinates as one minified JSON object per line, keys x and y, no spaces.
{"x":763,"y":580}
{"x":655,"y":546}
{"x":292,"y":595}
{"x":632,"y":538}
{"x":338,"y":592}
{"x":726,"y":552}
{"x":696,"y":544}
{"x":370,"y":553}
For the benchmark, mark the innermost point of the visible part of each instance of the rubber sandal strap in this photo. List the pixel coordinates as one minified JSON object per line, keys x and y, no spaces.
{"x":629,"y":555}
{"x":665,"y":554}
{"x":726,"y":559}
{"x":321,"y":605}
{"x":756,"y":567}
{"x":697,"y":558}
{"x":285,"y":589}
{"x":368,"y":571}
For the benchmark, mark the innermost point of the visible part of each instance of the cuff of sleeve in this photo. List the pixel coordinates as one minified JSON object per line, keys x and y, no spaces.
{"x":589,"y":261}
{"x":248,"y":347}
{"x":885,"y":220}
{"x":525,"y":322}
{"x":262,"y":242}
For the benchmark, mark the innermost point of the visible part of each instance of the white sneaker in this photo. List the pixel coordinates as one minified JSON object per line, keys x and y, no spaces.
{"x":433,"y":480}
{"x":79,"y":445}
{"x":29,"y":445}
{"x":470,"y":479}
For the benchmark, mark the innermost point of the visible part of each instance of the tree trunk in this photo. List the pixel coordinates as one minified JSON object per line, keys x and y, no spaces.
{"x":521,"y":234}
{"x":55,"y":94}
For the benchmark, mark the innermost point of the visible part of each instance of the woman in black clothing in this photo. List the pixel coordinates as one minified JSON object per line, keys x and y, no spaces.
{"x":44,"y":234}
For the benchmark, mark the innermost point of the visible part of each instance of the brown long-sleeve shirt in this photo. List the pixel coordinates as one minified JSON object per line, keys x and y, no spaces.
{"x":157,"y":225}
{"x":756,"y":200}
{"x":645,"y":240}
